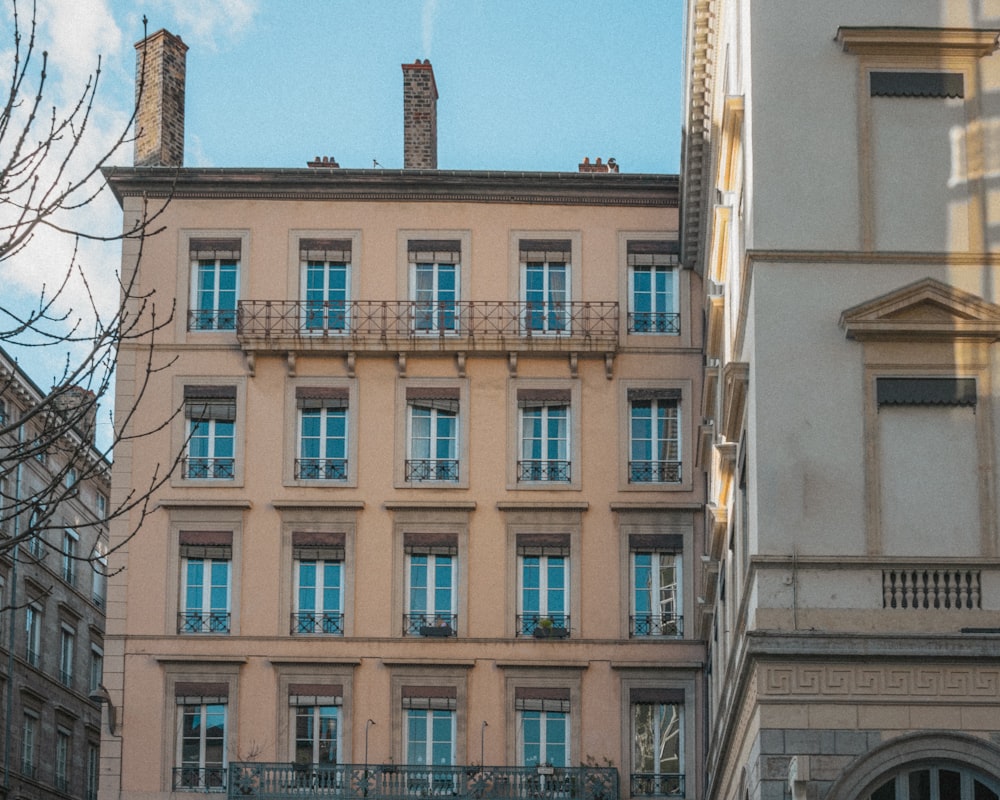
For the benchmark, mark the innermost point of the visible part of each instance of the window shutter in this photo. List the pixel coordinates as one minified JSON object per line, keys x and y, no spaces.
{"x":318,"y":546}
{"x":542,"y":698}
{"x":427,"y":544}
{"x":430,"y":697}
{"x":335,"y":250}
{"x":435,"y":251}
{"x":321,"y":397}
{"x":916,"y":84}
{"x":650,"y":393}
{"x":926,"y":391}
{"x":658,"y":253}
{"x":539,"y":398}
{"x":315,"y":694}
{"x":189,"y":693}
{"x":210,"y":402}
{"x":656,"y":695}
{"x":656,"y":542}
{"x":212,"y":249}
{"x":543,"y":544}
{"x":443,"y":398}
{"x":206,"y":544}
{"x":548,"y":250}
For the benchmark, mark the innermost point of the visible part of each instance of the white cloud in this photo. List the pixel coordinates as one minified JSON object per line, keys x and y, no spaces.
{"x":206,"y":22}
{"x":428,"y":18}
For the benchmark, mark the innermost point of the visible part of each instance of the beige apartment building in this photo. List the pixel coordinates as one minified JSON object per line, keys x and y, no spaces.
{"x":840,"y":201}
{"x":436,"y":526}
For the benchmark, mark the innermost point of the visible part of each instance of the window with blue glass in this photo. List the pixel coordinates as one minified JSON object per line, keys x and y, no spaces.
{"x":652,"y":277}
{"x":316,"y":723}
{"x":657,"y":742}
{"x":435,"y":267}
{"x":544,"y":445}
{"x":206,"y":559}
{"x":543,"y":585}
{"x":326,"y":284}
{"x":323,"y":425}
{"x":657,"y":587}
{"x":543,"y":727}
{"x":654,"y":436}
{"x":429,"y":734}
{"x":215,"y":265}
{"x":545,"y":285}
{"x":211,"y":416}
{"x":318,"y":563}
{"x":201,"y":737}
{"x":432,"y":434}
{"x":431,"y":584}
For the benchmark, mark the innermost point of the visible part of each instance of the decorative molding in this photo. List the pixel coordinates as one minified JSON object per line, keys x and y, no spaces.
{"x":194,"y":502}
{"x":868,"y":681}
{"x":921,"y":42}
{"x":735,"y":381}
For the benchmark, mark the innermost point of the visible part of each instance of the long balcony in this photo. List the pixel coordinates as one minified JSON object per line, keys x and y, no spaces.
{"x":284,"y":781}
{"x":399,"y":325}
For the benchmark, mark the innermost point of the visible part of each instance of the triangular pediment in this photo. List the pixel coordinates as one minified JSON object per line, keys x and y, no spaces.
{"x":927,"y":309}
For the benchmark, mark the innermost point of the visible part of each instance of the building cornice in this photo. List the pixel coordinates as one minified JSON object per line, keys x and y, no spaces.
{"x":871,"y":648}
{"x":365,"y":185}
{"x":907,"y":41}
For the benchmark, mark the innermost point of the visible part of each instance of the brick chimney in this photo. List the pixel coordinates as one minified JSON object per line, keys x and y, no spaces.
{"x":419,"y":116}
{"x":597,"y":166}
{"x":159,"y":92}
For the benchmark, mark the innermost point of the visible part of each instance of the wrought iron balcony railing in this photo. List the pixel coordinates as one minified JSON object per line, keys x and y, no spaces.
{"x":543,"y":626}
{"x":284,"y":781}
{"x":543,"y":470}
{"x":649,"y":784}
{"x":220,"y":469}
{"x":654,"y":322}
{"x":657,"y":625}
{"x":430,"y":625}
{"x":321,"y":469}
{"x":452,"y":325}
{"x":654,"y":471}
{"x":203,"y":622}
{"x":432,"y":469}
{"x":212,"y":320}
{"x":330,"y":623}
{"x":200,"y":779}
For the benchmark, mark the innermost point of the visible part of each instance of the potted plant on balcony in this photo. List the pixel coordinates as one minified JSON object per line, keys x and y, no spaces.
{"x":440,"y":628}
{"x":547,"y":629}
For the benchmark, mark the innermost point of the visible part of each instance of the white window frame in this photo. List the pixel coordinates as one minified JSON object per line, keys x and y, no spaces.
{"x":658,"y":470}
{"x":64,"y":745}
{"x":212,"y":440}
{"x":429,"y":715}
{"x":101,"y":505}
{"x":99,"y":567}
{"x":663,"y":783}
{"x":319,"y":609}
{"x":556,"y":313}
{"x":67,"y":654}
{"x":430,"y":613}
{"x":435,"y":417}
{"x":544,"y":718}
{"x":565,"y":449}
{"x":203,"y":710}
{"x":432,"y":313}
{"x":543,"y":611}
{"x":33,"y":634}
{"x":669,"y":302}
{"x":29,"y":743}
{"x":326,"y":305}
{"x":316,"y":712}
{"x":70,"y":544}
{"x":213,"y":308}
{"x":326,"y":469}
{"x":96,"y":667}
{"x":93,"y":771}
{"x":662,"y":622}
{"x":205,"y":605}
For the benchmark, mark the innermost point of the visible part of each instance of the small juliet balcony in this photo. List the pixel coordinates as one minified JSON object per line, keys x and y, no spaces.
{"x":498,"y":326}
{"x":657,"y":625}
{"x":284,"y":781}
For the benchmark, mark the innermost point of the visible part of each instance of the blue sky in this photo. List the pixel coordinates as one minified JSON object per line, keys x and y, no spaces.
{"x":524,"y":85}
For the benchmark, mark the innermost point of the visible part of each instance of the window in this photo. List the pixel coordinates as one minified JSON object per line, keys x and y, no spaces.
{"x":3,"y":412}
{"x":429,"y":732}
{"x":656,"y":588}
{"x":318,"y":583}
{"x":211,"y":415}
{"x":654,"y":436}
{"x":101,"y":505}
{"x":96,"y":667}
{"x":33,"y":635}
{"x":322,"y":433}
{"x":326,"y":284}
{"x":215,"y":266}
{"x":62,"y":759}
{"x":39,"y":518}
{"x":201,"y":736}
{"x":657,"y":742}
{"x":69,"y":544}
{"x":937,"y":783}
{"x":545,"y":268}
{"x":93,"y":772}
{"x":432,"y":439}
{"x":543,"y":585}
{"x":67,"y":653}
{"x":544,"y":453}
{"x":316,"y":722}
{"x":652,"y":290}
{"x":29,"y":744}
{"x":99,"y":566}
{"x":431,"y":578}
{"x":205,"y":586}
{"x":543,"y":727}
{"x":70,"y":478}
{"x":435,"y":266}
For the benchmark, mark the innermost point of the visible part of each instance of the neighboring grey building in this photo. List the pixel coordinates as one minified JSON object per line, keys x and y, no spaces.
{"x":52,"y":602}
{"x":839,"y":195}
